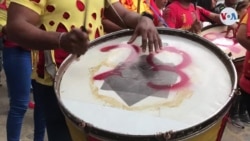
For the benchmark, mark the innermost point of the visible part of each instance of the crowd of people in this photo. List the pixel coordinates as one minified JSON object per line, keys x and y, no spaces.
{"x":35,"y":30}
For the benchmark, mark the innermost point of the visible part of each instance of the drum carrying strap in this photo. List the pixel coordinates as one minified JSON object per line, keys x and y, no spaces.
{"x":50,"y":66}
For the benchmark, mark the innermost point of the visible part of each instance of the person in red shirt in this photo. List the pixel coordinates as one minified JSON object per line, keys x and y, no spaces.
{"x":242,"y":36}
{"x":183,"y":14}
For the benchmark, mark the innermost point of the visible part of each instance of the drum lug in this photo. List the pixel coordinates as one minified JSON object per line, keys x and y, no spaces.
{"x":237,"y":91}
{"x":230,"y":55}
{"x":86,"y":127}
{"x":164,"y":136}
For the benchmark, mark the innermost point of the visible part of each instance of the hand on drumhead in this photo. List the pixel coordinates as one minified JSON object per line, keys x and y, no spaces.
{"x":149,"y":34}
{"x":196,"y":27}
{"x":232,"y":28}
{"x":76,"y":41}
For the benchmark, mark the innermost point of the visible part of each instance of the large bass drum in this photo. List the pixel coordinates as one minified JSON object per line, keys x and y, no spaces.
{"x":115,"y":92}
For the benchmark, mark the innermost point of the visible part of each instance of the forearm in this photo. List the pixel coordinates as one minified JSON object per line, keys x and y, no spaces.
{"x":29,"y":36}
{"x":216,"y":18}
{"x":109,"y":26}
{"x":245,"y":42}
{"x":131,"y":19}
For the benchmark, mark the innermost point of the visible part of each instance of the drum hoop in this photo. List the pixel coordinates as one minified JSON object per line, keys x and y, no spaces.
{"x":176,"y":135}
{"x":212,"y":26}
{"x":240,"y":59}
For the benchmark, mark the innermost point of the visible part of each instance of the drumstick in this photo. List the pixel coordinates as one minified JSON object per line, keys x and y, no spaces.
{"x":83,"y":27}
{"x":138,"y":6}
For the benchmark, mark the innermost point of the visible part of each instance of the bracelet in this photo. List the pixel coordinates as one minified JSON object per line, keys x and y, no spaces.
{"x":60,"y":39}
{"x":146,"y":14}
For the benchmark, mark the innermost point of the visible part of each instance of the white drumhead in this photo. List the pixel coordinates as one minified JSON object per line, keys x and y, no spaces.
{"x":187,"y":85}
{"x":228,"y":44}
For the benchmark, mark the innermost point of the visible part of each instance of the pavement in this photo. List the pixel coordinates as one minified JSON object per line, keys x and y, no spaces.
{"x":231,"y":132}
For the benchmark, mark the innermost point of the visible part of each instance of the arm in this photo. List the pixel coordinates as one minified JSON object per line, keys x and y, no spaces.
{"x":143,"y":26}
{"x":242,"y":37}
{"x":215,"y":17}
{"x":206,"y":15}
{"x":110,"y":26}
{"x":22,"y":28}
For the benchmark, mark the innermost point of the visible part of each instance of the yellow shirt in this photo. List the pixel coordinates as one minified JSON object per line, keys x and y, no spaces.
{"x":244,"y":20}
{"x":133,"y":5}
{"x":69,"y":14}
{"x":3,"y":12}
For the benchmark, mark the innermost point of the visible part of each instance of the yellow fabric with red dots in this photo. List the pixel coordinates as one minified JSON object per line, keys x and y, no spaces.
{"x":3,"y":12}
{"x":67,"y":14}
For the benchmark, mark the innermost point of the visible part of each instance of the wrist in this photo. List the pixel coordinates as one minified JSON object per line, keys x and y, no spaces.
{"x":148,"y":15}
{"x":60,"y":39}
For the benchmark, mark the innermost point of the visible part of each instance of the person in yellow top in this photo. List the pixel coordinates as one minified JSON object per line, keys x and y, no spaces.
{"x":2,"y":23}
{"x":17,"y":66}
{"x":54,"y":26}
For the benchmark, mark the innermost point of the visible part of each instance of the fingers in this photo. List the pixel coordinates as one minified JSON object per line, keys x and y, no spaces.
{"x":134,"y":36}
{"x":227,"y":32}
{"x":150,"y":39}
{"x":76,"y":42}
{"x":157,"y":43}
{"x":150,"y":42}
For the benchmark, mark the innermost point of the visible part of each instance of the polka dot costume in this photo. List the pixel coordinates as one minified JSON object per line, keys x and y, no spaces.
{"x":62,"y":16}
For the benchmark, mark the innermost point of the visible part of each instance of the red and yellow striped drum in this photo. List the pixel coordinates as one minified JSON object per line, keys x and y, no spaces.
{"x":115,"y":92}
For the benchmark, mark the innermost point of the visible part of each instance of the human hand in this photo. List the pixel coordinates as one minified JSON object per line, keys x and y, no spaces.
{"x":196,"y":27}
{"x":231,"y":28}
{"x":76,"y":41}
{"x":149,"y":33}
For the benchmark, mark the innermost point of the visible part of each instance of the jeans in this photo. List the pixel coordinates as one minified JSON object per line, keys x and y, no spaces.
{"x":38,"y":115}
{"x":55,"y":122}
{"x":17,"y":67}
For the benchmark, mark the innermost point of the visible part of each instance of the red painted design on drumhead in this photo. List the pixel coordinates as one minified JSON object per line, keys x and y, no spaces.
{"x":212,"y":36}
{"x":184,"y":79}
{"x":176,"y":69}
{"x":80,"y":5}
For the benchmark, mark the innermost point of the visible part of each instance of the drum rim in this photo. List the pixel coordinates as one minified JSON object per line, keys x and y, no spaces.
{"x":212,"y":26}
{"x":176,"y":135}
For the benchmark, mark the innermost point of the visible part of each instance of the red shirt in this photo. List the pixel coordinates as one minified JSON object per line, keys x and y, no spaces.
{"x":177,"y":16}
{"x":245,"y":77}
